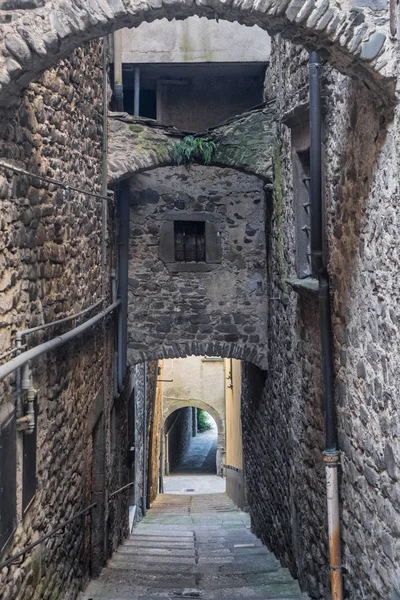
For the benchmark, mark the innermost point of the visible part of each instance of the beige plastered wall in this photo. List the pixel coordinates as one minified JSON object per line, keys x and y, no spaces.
{"x":233,"y":381}
{"x":197,"y":381}
{"x":194,"y":40}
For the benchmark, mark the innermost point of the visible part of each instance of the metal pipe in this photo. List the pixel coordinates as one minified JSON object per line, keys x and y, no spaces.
{"x":104,"y":211}
{"x":151,"y":434}
{"x":12,"y":351}
{"x":20,"y":334}
{"x":115,"y":368}
{"x":18,"y":389}
{"x":118,"y":82}
{"x":121,"y":489}
{"x":61,"y":184}
{"x":136,"y":100}
{"x":161,"y":468}
{"x":144,"y":505}
{"x":331,"y":453}
{"x":27,"y":423}
{"x":27,"y":549}
{"x":123,"y":265}
{"x":315,"y":164}
{"x":56,"y":342}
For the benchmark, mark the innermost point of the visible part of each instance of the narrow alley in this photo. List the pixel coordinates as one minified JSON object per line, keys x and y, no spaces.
{"x":196,"y":472}
{"x":195,"y":546}
{"x":200,"y":218}
{"x":201,"y":456}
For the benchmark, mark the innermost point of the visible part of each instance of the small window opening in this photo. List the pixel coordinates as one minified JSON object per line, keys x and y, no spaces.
{"x":302,"y":195}
{"x":190,"y":241}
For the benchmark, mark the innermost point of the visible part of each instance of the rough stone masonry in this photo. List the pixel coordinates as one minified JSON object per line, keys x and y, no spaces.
{"x":218,"y":307}
{"x":50,"y":268}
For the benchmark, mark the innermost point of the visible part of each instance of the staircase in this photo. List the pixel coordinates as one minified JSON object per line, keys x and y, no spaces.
{"x":193,"y":547}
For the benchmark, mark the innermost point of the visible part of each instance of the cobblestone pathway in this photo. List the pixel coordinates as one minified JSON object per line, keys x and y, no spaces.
{"x":193,"y":547}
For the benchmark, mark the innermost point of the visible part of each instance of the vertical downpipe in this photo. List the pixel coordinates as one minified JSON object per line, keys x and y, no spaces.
{"x":144,"y":505}
{"x":151,"y":437}
{"x":118,"y":84}
{"x":123,"y":263}
{"x":104,"y":238}
{"x":331,"y":453}
{"x":136,"y":100}
{"x":104,"y":220}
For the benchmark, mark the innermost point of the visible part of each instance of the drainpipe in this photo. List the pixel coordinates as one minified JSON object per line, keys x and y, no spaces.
{"x":331,"y":453}
{"x":161,"y":467}
{"x":136,"y":102}
{"x":27,"y":422}
{"x":151,"y":434}
{"x":23,"y":358}
{"x":144,"y":506}
{"x":104,"y":221}
{"x":123,"y":262}
{"x":118,"y":84}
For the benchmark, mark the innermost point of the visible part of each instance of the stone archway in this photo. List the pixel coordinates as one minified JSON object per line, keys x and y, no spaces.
{"x":138,"y":144}
{"x":251,"y":353}
{"x":217,"y":306}
{"x":356,"y":42}
{"x":219,"y":419}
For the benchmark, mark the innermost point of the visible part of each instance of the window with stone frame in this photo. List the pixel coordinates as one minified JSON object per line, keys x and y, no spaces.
{"x":301,"y":197}
{"x":190,"y":241}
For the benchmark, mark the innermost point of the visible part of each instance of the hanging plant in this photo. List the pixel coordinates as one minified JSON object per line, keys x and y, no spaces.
{"x":193,"y":149}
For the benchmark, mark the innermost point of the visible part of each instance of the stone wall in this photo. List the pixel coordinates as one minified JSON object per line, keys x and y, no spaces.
{"x":143,"y":381}
{"x":179,"y":427}
{"x":210,"y":309}
{"x":50,"y":268}
{"x":361,"y":153}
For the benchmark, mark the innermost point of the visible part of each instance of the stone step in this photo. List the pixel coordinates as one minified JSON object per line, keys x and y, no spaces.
{"x":209,"y":554}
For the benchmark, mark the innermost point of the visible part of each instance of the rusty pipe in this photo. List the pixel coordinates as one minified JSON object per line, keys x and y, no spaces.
{"x":331,"y":460}
{"x":319,"y":268}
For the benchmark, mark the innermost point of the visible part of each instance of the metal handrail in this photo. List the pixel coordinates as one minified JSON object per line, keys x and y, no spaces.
{"x":20,"y":334}
{"x":13,"y":351}
{"x":124,"y":487}
{"x":28,"y":549}
{"x":173,"y":424}
{"x":25,"y":357}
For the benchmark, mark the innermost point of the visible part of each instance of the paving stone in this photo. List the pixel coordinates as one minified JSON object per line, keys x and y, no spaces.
{"x":220,"y":559}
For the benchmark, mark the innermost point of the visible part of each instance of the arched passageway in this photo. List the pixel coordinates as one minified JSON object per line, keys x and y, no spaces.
{"x":283,"y":398}
{"x":189,"y":385}
{"x":191,"y":444}
{"x":37,"y":38}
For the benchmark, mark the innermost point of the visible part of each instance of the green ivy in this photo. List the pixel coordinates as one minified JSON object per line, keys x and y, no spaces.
{"x":193,"y":149}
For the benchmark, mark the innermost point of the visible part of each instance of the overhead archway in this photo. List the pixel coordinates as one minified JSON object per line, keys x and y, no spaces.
{"x":214,"y":304}
{"x":357,"y":43}
{"x":245,"y":142}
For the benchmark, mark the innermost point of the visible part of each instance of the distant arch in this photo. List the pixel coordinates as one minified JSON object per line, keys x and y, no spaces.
{"x":187,"y":403}
{"x":357,"y":44}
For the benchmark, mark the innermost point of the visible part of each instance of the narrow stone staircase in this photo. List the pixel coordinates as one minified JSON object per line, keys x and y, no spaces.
{"x":196,"y":546}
